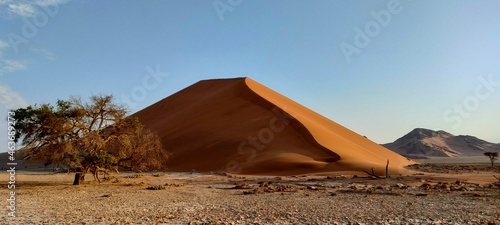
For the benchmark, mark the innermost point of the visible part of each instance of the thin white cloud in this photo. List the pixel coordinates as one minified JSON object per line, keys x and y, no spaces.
{"x":27,"y":8}
{"x":11,"y":99}
{"x":3,"y":45}
{"x":50,"y":2}
{"x":10,"y":66}
{"x":24,"y":10}
{"x":44,"y":52}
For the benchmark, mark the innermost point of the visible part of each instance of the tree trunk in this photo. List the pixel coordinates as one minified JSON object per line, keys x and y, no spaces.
{"x":387,"y":169}
{"x":82,"y":178}
{"x":79,"y":177}
{"x":76,"y":181}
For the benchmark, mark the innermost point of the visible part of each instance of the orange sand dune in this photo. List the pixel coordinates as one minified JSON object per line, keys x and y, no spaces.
{"x":240,"y":126}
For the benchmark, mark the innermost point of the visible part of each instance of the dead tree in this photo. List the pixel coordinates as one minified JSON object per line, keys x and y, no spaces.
{"x":372,"y":174}
{"x":387,"y":169}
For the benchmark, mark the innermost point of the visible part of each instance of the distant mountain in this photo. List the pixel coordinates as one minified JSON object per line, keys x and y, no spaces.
{"x":424,"y":143}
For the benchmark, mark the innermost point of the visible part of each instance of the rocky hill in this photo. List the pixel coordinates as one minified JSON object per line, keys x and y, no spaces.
{"x":428,"y":143}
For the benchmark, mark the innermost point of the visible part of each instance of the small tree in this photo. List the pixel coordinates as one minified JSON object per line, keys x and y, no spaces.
{"x":87,"y":136}
{"x":492,"y":155}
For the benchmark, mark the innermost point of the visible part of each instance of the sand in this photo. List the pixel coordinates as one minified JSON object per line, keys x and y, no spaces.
{"x":422,"y":198}
{"x":480,"y":160}
{"x":240,"y":126}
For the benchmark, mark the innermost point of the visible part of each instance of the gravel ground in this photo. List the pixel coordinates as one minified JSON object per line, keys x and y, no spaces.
{"x":221,"y":199}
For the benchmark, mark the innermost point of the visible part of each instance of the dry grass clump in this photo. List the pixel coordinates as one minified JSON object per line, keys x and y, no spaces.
{"x":174,"y":185}
{"x":134,"y":176}
{"x":156,"y":187}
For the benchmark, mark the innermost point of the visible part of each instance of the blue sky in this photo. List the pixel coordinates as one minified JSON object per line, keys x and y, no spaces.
{"x":380,"y":68}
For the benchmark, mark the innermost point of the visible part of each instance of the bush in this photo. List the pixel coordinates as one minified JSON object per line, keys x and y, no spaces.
{"x":156,"y":187}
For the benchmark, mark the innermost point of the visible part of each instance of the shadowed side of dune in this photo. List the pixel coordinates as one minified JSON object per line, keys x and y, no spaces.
{"x":223,"y":125}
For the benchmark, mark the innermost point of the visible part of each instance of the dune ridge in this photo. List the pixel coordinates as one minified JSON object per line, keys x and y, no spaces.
{"x":240,"y":126}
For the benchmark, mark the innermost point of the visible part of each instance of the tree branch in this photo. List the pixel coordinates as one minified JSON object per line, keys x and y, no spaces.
{"x":372,"y":174}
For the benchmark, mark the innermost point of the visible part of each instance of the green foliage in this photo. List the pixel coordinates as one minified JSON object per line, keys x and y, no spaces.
{"x":493,"y":156}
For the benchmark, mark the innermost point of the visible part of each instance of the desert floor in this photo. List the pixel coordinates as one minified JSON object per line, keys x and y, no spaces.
{"x":434,"y":194}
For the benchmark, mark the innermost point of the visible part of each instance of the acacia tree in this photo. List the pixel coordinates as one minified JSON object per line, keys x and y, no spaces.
{"x":87,"y":136}
{"x":492,"y":155}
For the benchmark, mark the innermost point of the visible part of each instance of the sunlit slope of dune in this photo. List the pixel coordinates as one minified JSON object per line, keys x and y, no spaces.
{"x":240,"y":126}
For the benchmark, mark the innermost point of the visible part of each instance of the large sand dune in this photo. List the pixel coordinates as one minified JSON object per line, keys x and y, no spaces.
{"x":240,"y":126}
